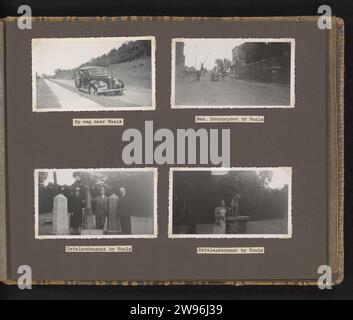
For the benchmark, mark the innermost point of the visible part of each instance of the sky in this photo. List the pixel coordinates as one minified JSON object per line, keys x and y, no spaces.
{"x":279,"y":179}
{"x":51,"y":54}
{"x":64,"y":177}
{"x":208,"y":50}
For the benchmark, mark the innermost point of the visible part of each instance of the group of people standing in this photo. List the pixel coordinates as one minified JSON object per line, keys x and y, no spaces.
{"x":223,"y":212}
{"x":100,"y":209}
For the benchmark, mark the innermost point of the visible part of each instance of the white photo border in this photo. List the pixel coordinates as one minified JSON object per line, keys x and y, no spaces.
{"x":152,"y":107}
{"x":98,"y":237}
{"x":171,"y":235}
{"x":292,"y":76}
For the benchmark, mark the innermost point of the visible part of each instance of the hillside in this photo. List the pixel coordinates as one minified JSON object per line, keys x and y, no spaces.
{"x":131,"y":63}
{"x":136,"y":73}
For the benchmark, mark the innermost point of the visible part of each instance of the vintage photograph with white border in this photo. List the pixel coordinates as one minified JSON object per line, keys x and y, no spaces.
{"x":99,"y":203}
{"x":93,"y":74}
{"x":218,"y":73}
{"x":238,"y":202}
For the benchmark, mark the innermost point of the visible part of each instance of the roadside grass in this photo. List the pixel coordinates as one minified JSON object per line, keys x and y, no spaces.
{"x":136,"y":73}
{"x":45,"y":97}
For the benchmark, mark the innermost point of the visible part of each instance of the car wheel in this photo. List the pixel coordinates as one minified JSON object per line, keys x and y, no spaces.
{"x":92,"y":91}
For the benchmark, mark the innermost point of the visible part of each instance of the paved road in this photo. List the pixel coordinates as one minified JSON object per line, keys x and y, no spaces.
{"x":233,"y":92}
{"x":132,"y":97}
{"x":69,"y":100}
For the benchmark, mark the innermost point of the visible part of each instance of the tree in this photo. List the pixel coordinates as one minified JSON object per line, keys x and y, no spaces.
{"x":88,"y":182}
{"x":42,"y":177}
{"x":57,"y":71}
{"x":219,"y":64}
{"x":202,"y":191}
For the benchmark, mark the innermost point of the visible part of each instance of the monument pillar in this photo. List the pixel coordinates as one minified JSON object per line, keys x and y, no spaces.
{"x":61,"y":219}
{"x":113,"y":224}
{"x":237,"y":225}
{"x":89,"y":219}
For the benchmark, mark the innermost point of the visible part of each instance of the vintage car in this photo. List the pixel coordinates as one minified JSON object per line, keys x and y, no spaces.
{"x":98,"y":80}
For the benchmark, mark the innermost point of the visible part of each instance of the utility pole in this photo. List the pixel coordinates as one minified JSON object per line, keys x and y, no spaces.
{"x":196,"y":57}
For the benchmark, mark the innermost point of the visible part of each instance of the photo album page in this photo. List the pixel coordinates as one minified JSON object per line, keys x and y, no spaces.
{"x":173,"y":150}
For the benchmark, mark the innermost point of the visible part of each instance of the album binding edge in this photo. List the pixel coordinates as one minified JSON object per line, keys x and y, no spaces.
{"x":3,"y":238}
{"x":336,"y":152}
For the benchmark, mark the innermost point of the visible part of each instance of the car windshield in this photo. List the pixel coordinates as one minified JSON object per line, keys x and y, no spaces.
{"x":95,"y":71}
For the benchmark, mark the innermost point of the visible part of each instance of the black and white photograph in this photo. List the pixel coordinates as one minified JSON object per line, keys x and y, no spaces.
{"x":232,"y":73}
{"x":93,"y":74}
{"x":230,"y":203}
{"x":95,"y":203}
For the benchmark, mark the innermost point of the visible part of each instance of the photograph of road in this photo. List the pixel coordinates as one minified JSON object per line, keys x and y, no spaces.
{"x":83,"y":74}
{"x":231,"y":73}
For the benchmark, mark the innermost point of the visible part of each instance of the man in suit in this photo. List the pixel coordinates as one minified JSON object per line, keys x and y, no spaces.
{"x":100,"y":208}
{"x":124,"y":212}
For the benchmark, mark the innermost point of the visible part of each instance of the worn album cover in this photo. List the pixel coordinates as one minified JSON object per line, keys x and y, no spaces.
{"x":161,"y":150}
